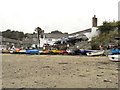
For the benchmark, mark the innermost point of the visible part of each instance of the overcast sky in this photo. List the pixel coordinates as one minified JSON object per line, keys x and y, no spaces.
{"x":64,"y":15}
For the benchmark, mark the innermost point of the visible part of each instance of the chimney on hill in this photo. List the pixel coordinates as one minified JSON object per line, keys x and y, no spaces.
{"x":94,"y":21}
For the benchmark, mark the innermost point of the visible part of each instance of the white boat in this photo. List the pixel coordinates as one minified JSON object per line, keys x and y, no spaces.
{"x":22,"y":51}
{"x":95,"y":53}
{"x":11,"y":51}
{"x":114,"y":57}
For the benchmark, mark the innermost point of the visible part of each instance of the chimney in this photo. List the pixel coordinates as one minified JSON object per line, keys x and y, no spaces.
{"x":94,"y":21}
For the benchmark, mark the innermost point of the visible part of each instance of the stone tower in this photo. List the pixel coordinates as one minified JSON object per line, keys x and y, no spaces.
{"x":94,"y":21}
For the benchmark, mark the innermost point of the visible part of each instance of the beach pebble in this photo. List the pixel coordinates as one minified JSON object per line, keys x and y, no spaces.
{"x":64,"y":69}
{"x":87,"y":70}
{"x":13,"y":83}
{"x":55,"y":86}
{"x":35,"y":82}
{"x":118,"y":69}
{"x":113,"y":73}
{"x":100,"y":67}
{"x":82,"y":75}
{"x":19,"y":69}
{"x":99,"y":75}
{"x":107,"y":80}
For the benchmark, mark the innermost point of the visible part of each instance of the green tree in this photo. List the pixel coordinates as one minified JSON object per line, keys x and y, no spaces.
{"x":57,"y":32}
{"x":109,"y":30}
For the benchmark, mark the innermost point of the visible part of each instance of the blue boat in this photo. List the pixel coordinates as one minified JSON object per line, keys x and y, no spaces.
{"x":114,"y":51}
{"x":32,"y":51}
{"x":85,"y":51}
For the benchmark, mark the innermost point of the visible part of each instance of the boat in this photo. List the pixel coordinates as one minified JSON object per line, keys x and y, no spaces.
{"x":22,"y":51}
{"x":114,"y":57}
{"x":115,"y":51}
{"x":35,"y":51}
{"x":64,"y":52}
{"x":95,"y":53}
{"x":44,"y":52}
{"x":56,"y":51}
{"x":84,"y":52}
{"x":5,"y":51}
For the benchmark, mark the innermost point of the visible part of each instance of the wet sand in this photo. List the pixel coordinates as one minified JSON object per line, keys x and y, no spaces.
{"x":57,"y":71}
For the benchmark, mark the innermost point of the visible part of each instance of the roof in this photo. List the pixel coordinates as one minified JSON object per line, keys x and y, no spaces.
{"x":55,"y":36}
{"x":81,"y":32}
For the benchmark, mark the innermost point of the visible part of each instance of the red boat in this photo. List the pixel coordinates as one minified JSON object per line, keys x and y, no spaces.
{"x":64,"y":52}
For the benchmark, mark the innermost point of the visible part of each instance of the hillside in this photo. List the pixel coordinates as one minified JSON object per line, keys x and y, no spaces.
{"x":109,"y":30}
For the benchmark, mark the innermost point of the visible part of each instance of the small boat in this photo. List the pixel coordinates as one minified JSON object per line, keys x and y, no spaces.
{"x":35,"y":51}
{"x":95,"y":53}
{"x":44,"y":52}
{"x":84,"y":52}
{"x":114,"y":57}
{"x":56,"y":51}
{"x":115,"y":51}
{"x":5,"y":51}
{"x":64,"y":52}
{"x":22,"y":51}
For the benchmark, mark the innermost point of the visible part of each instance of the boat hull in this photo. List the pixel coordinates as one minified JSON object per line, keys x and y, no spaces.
{"x":95,"y":53}
{"x":114,"y":57}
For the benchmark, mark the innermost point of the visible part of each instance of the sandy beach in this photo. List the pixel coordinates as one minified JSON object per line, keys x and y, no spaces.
{"x":58,"y":71}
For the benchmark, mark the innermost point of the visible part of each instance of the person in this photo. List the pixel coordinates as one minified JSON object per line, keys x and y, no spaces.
{"x":68,"y":46}
{"x":100,"y":47}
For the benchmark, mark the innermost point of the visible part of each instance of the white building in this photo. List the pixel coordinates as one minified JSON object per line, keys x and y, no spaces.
{"x":49,"y":39}
{"x":91,"y":32}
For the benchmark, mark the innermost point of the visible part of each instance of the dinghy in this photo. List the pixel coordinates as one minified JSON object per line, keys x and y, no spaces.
{"x":35,"y":51}
{"x":114,"y":57}
{"x":115,"y":53}
{"x":22,"y":51}
{"x":95,"y":53}
{"x":84,"y":52}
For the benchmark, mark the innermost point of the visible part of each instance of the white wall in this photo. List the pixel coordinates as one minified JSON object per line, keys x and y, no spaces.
{"x":94,"y":32}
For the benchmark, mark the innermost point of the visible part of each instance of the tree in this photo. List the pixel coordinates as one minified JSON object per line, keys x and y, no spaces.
{"x":57,"y":32}
{"x":109,"y":30}
{"x":66,"y":33}
{"x":13,"y":34}
{"x":39,"y":31}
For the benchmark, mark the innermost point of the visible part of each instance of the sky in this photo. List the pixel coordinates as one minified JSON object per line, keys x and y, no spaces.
{"x":63,"y":15}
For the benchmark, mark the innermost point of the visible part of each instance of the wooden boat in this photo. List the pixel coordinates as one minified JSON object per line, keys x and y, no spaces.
{"x":114,"y":57}
{"x":95,"y":53}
